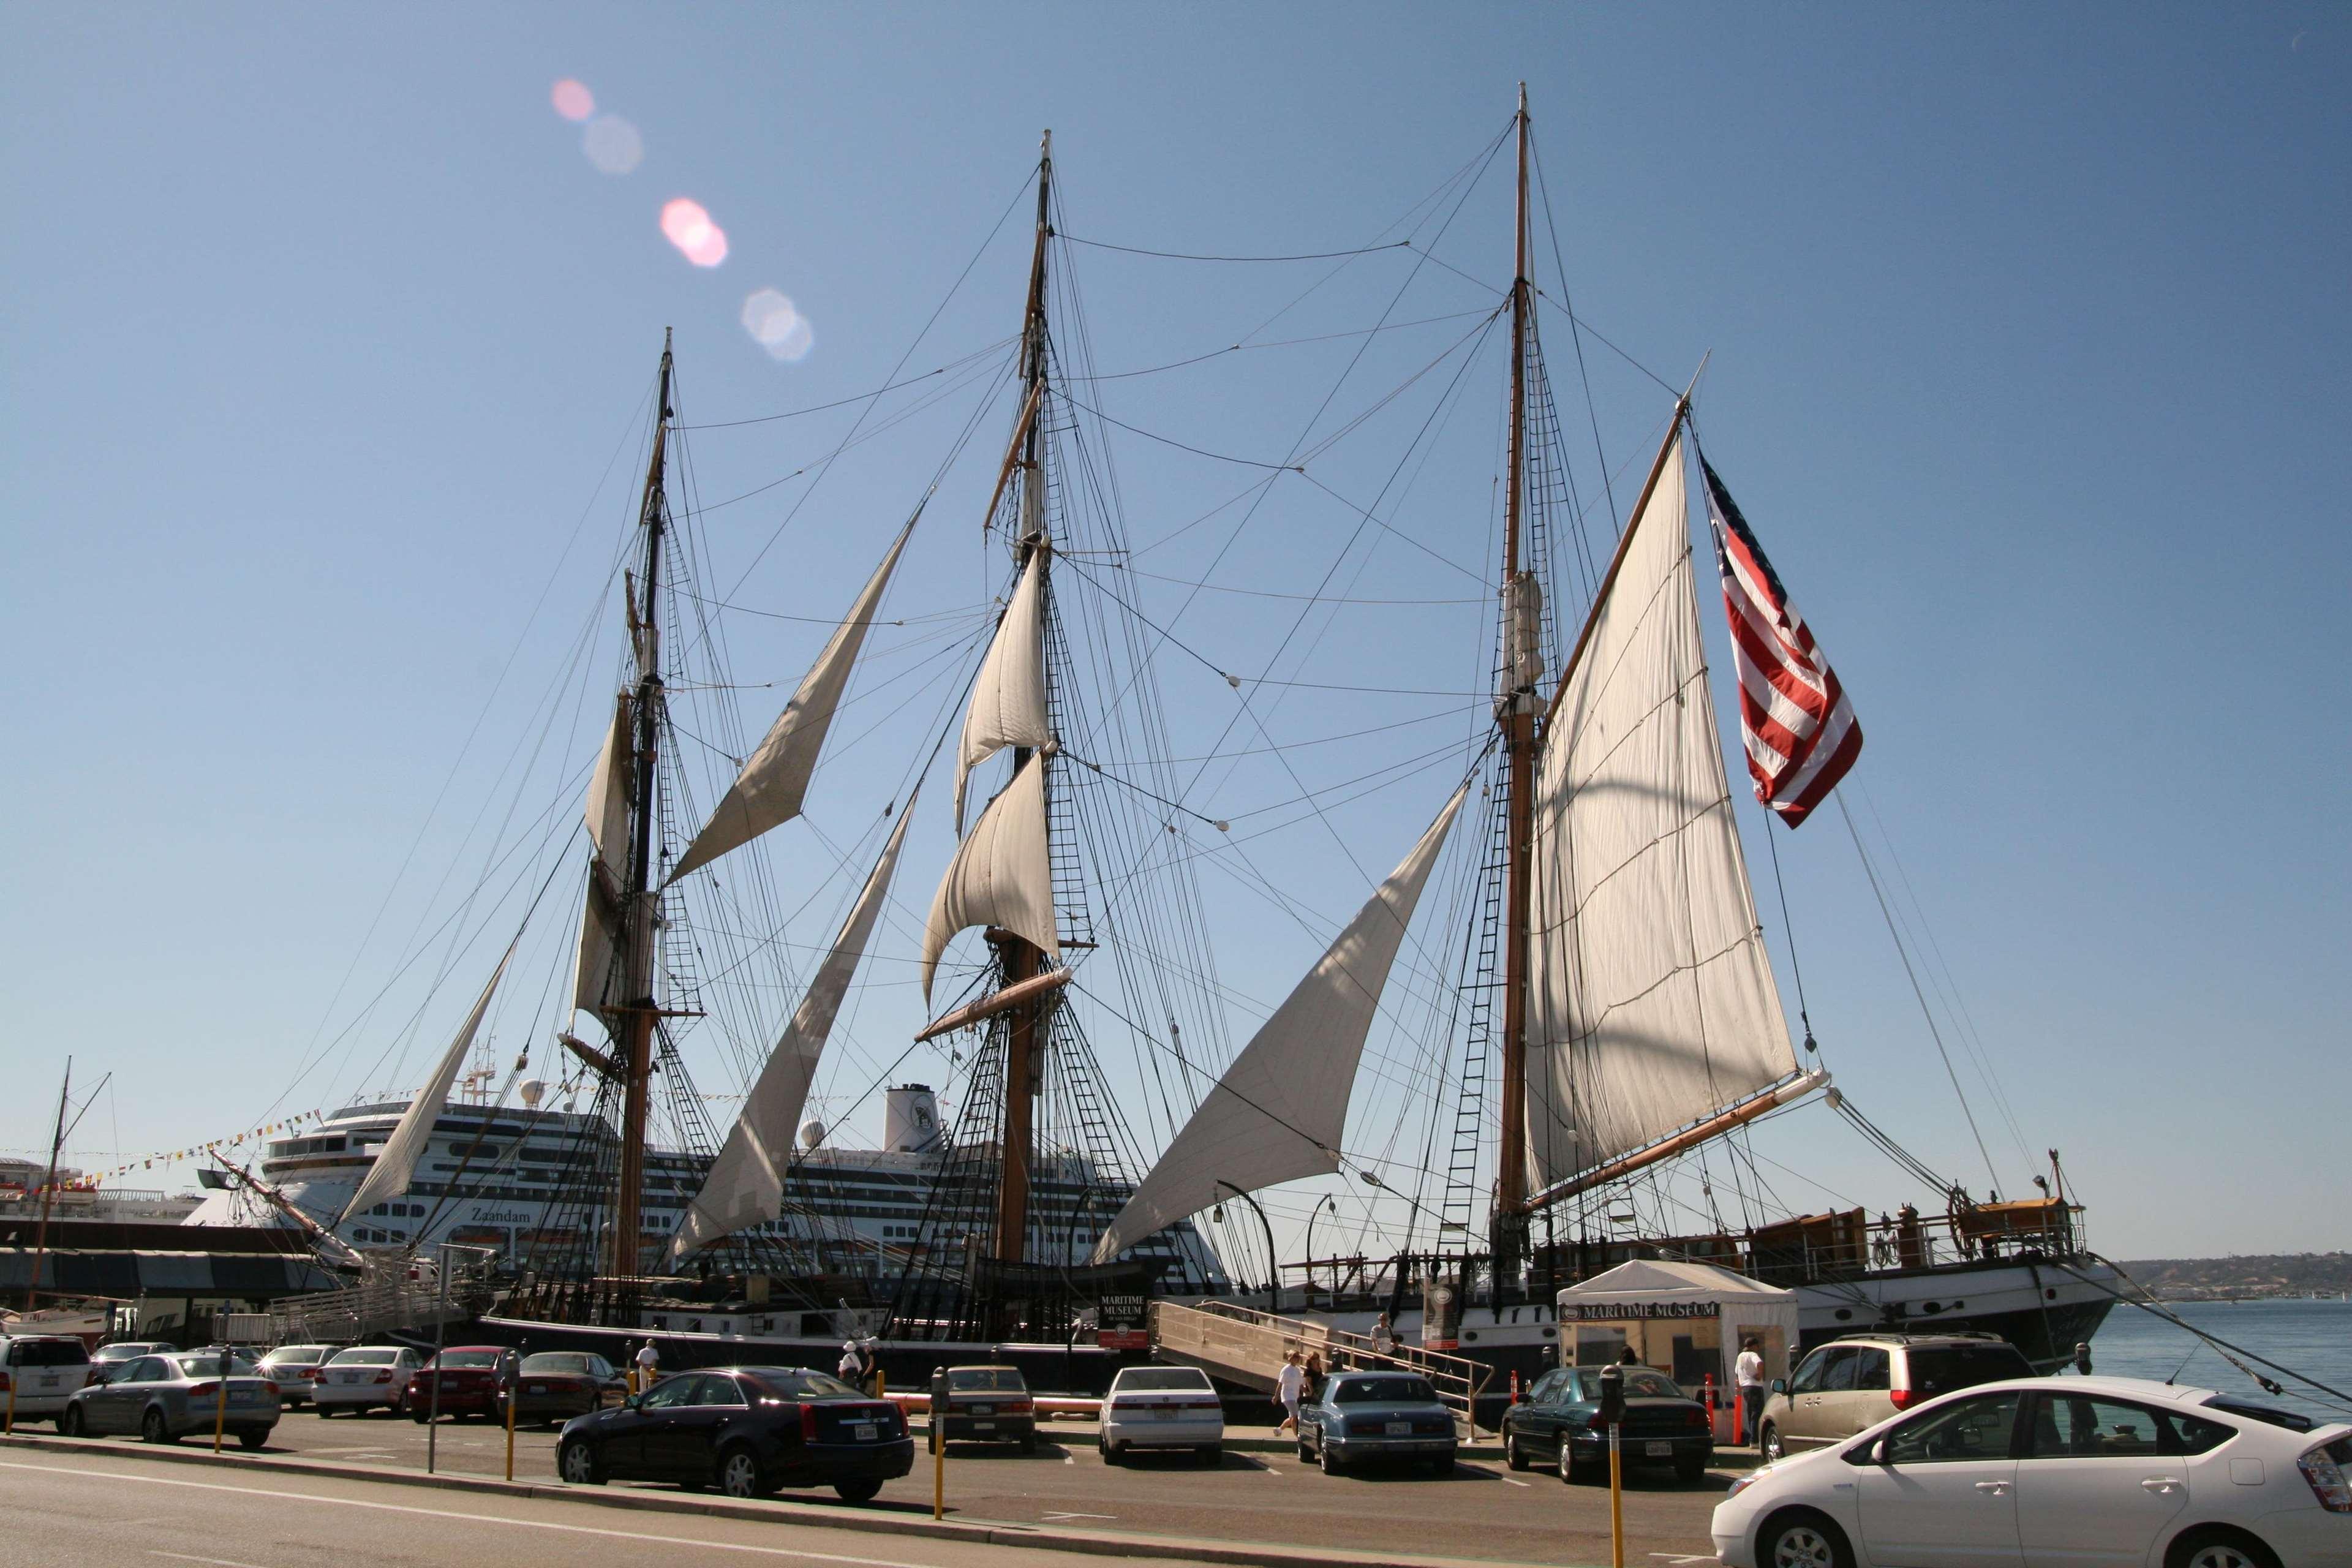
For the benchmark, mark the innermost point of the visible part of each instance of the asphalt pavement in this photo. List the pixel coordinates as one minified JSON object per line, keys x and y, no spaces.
{"x":1480,"y":1510}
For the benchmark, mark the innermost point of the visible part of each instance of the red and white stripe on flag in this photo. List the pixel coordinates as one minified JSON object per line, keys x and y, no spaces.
{"x":1798,"y":727}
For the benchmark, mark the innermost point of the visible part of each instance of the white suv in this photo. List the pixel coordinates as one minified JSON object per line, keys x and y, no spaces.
{"x":38,"y":1373}
{"x":1161,"y":1407}
{"x":1859,"y":1380}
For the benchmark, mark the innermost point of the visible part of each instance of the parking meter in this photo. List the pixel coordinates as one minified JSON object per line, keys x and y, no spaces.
{"x":1612,"y":1415}
{"x":1612,"y":1396}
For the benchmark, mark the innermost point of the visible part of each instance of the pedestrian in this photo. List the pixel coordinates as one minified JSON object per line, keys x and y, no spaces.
{"x":1627,"y":1357}
{"x":1313,"y":1375}
{"x":852,"y":1369}
{"x":1383,"y":1337}
{"x":1749,"y":1373}
{"x":1287,"y":1390}
{"x":649,"y":1365}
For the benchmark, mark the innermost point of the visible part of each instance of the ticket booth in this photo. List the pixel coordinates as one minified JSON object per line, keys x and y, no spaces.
{"x":1686,"y":1320}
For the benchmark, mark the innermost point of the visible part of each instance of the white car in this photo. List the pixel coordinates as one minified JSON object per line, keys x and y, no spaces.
{"x":295,"y":1370}
{"x":38,"y":1373}
{"x":365,"y":1377}
{"x":1161,"y":1407}
{"x":2074,"y":1470}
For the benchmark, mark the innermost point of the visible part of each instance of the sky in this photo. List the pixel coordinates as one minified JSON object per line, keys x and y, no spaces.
{"x":331,"y":339}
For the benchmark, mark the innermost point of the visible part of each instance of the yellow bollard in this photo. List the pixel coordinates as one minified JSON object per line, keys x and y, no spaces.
{"x":510,"y":1415}
{"x":1616,"y":1503}
{"x":220,"y":1410}
{"x":10,"y":1429}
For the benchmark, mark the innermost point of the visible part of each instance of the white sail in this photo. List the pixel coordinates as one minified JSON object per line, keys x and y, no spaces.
{"x":388,"y":1178}
{"x":1008,"y":700}
{"x":608,"y":832}
{"x":1277,"y":1113}
{"x":1000,"y":875}
{"x":1650,"y":1004}
{"x":769,"y":791}
{"x":746,"y":1183}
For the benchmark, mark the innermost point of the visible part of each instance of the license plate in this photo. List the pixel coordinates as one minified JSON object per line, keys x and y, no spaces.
{"x":539,"y":1388}
{"x":1167,"y":1412}
{"x":1398,"y":1429}
{"x":243,"y":1395}
{"x":983,"y":1410}
{"x":49,"y":1380}
{"x":864,"y":1432}
{"x":1659,"y":1450}
{"x":984,"y":1426}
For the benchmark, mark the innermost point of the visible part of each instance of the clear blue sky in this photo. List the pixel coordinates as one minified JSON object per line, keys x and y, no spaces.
{"x":2029,"y":337}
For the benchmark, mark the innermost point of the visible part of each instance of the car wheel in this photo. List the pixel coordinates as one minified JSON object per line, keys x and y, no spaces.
{"x":1769,"y":1444}
{"x":1329,"y":1460}
{"x":1513,"y":1455}
{"x":1801,"y":1538}
{"x":1305,"y":1454}
{"x":1029,"y":1444}
{"x":70,"y":1423}
{"x":739,"y":1474}
{"x":858,"y":1491}
{"x":249,"y":1438}
{"x":154,"y":1428}
{"x":1690,"y":1467}
{"x":324,"y":1411}
{"x":2218,"y":1549}
{"x":1110,"y":1454}
{"x":579,"y":1466}
{"x":420,"y":1415}
{"x":1213,"y":1454}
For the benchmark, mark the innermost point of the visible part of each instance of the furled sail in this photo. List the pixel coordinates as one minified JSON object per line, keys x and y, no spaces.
{"x":396,"y":1161}
{"x":608,"y":838}
{"x":1008,"y":700}
{"x":1277,"y":1113}
{"x":1000,"y":875}
{"x":1650,"y":1004}
{"x":769,"y":791}
{"x":746,"y":1184}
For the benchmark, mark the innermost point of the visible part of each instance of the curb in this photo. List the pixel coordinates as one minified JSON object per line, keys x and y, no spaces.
{"x":1098,"y":1544}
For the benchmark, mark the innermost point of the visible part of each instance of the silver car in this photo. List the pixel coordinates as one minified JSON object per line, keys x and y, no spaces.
{"x":38,"y":1373}
{"x":166,"y":1397}
{"x":365,"y":1377}
{"x":1161,"y":1407}
{"x":294,"y":1368}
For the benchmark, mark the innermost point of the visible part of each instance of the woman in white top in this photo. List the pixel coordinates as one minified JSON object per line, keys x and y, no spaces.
{"x":1287,"y":1390}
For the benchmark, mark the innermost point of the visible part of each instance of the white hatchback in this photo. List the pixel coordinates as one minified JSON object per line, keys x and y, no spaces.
{"x":2078,"y":1470}
{"x":1161,"y":1407}
{"x":365,"y":1377}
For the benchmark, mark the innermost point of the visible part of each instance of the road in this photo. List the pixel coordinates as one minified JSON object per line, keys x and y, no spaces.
{"x":1480,"y":1510}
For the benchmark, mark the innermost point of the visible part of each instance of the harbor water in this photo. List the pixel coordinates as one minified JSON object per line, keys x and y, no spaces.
{"x":2313,"y":1338}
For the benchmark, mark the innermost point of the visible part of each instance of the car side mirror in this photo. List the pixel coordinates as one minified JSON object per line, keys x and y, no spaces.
{"x":1871,"y":1453}
{"x":1780,"y":1385}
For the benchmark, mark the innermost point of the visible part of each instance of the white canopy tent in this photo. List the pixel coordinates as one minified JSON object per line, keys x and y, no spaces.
{"x":1686,"y":1319}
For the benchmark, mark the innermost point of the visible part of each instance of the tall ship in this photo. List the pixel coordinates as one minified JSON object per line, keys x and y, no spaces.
{"x":1540,"y":1046}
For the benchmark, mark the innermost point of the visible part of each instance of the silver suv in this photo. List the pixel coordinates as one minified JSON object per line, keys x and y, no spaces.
{"x":1857,"y":1381}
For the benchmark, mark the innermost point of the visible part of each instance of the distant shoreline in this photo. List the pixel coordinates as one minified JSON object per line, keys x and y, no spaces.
{"x":2277,"y":1276}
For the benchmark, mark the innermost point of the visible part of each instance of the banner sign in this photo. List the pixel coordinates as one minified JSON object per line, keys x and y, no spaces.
{"x":1620,"y":1312}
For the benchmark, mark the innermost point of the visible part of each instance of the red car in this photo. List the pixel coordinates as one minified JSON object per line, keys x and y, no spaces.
{"x":473,"y":1379}
{"x":556,"y":1385}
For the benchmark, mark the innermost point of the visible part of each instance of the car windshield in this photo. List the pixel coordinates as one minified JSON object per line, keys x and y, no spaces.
{"x":1640,"y":1383}
{"x":468,"y":1358}
{"x":1941,"y":1369}
{"x":46,"y":1352}
{"x":986,"y":1379}
{"x":799,"y":1382}
{"x":1384,"y":1391}
{"x":365,"y":1358}
{"x":208,"y":1365}
{"x":296,"y":1355}
{"x":556,"y":1364}
{"x":1159,"y":1379}
{"x":124,"y":1352}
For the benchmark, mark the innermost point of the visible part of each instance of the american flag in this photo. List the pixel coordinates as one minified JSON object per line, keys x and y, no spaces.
{"x":1798,"y":727}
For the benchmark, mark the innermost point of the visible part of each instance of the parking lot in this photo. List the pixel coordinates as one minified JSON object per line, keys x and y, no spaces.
{"x":1481,"y":1509}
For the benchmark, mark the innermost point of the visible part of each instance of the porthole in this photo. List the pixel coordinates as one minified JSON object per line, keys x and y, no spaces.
{"x":1844,"y":1314}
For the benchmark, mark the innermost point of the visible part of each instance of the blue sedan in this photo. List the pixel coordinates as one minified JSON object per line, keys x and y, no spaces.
{"x":1364,"y":1415}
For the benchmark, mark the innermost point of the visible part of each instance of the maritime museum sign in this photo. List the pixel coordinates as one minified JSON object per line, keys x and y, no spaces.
{"x":1620,"y":1312}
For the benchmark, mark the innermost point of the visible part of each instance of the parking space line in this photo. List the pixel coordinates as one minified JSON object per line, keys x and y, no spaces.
{"x":214,"y":1562}
{"x":1515,"y":1483}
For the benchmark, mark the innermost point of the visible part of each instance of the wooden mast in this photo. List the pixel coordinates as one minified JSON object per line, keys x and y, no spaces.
{"x":48,"y":1191}
{"x":1020,"y":959}
{"x":1520,"y":615}
{"x":639,"y":1008}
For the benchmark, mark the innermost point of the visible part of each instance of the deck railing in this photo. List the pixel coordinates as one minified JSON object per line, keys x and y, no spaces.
{"x":1244,"y":1345}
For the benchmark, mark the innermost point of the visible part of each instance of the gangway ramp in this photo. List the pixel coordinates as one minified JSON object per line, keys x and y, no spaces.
{"x":1242,"y":1346}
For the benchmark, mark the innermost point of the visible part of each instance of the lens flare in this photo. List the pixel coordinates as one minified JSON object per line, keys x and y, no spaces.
{"x":689,"y":228}
{"x":572,"y":100}
{"x":613,"y":144}
{"x":777,"y":326}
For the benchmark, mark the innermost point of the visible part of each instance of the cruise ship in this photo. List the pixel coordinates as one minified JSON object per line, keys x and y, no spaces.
{"x":493,"y":1176}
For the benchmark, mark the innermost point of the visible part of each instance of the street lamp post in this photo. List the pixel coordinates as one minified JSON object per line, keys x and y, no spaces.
{"x":1274,"y":1268}
{"x":1331,"y":1204}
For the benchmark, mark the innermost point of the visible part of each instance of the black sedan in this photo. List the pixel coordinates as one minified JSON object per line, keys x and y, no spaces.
{"x":1560,"y":1425}
{"x":747,"y":1430}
